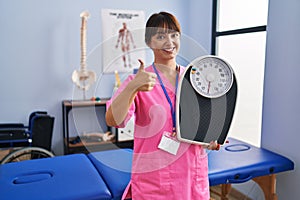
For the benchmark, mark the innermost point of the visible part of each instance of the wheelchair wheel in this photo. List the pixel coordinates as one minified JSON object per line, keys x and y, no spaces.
{"x":26,"y":153}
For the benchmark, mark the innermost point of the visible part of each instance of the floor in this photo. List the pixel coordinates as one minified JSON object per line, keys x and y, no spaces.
{"x":4,"y":153}
{"x":215,"y":194}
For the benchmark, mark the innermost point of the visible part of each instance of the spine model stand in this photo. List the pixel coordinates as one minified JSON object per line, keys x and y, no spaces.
{"x":117,"y":81}
{"x":83,"y":78}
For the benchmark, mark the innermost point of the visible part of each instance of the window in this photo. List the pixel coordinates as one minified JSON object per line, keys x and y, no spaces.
{"x":239,"y":36}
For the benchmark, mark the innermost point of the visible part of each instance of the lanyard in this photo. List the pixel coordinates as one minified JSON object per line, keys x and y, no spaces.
{"x":167,"y":96}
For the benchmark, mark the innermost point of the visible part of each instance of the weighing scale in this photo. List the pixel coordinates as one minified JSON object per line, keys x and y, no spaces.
{"x":206,"y":99}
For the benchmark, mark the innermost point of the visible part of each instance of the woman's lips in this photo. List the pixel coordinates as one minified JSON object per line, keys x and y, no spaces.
{"x":169,"y":50}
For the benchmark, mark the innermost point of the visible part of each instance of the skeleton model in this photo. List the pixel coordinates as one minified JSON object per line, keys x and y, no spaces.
{"x":83,"y":78}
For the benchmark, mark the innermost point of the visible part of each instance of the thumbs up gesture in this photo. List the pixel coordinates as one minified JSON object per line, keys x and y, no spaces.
{"x":144,"y":81}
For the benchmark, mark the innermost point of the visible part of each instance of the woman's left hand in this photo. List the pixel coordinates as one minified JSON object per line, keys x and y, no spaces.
{"x":213,"y":145}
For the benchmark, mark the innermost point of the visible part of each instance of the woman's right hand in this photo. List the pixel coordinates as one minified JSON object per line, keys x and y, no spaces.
{"x":118,"y":110}
{"x":144,"y":81}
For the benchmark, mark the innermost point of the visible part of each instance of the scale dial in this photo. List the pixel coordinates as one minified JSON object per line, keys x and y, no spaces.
{"x":211,"y":76}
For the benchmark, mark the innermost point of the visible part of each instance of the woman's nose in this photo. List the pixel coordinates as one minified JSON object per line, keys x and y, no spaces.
{"x":169,"y":38}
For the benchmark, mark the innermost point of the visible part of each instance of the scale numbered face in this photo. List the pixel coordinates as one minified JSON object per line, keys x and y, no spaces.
{"x":211,"y":76}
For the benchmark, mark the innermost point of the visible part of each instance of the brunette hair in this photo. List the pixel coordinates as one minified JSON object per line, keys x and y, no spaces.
{"x":163,"y":20}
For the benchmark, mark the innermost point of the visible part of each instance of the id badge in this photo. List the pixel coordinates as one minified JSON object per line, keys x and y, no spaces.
{"x":169,"y":144}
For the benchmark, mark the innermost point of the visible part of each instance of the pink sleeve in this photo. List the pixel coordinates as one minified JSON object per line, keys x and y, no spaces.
{"x":132,"y":106}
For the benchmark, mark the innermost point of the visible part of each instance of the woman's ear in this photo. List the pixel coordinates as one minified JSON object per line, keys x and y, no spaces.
{"x":148,"y":44}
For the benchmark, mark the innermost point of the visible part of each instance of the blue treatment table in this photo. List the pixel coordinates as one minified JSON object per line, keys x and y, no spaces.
{"x":238,"y":162}
{"x":104,"y":175}
{"x":69,"y":177}
{"x":115,"y":168}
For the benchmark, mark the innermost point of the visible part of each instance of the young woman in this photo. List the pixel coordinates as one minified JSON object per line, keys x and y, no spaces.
{"x":162,"y":167}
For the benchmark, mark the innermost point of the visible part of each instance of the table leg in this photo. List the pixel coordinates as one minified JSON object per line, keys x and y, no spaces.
{"x":268,"y":185}
{"x":225,"y":190}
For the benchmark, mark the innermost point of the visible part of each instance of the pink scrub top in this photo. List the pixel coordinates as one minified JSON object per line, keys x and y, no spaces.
{"x":157,"y":174}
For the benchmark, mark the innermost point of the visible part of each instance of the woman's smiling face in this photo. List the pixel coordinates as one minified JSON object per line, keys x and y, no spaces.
{"x":165,"y":43}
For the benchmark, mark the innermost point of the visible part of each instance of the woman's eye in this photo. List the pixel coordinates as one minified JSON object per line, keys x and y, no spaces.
{"x":175,"y":35}
{"x":160,"y":37}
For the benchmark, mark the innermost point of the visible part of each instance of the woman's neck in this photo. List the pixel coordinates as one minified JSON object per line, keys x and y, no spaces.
{"x":167,"y":68}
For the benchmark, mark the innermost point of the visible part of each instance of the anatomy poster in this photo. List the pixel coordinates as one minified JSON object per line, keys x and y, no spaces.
{"x":123,"y":39}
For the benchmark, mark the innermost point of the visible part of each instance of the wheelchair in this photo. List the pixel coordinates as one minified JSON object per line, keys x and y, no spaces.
{"x":27,"y":142}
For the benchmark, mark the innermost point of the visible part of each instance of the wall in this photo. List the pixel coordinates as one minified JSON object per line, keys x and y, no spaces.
{"x":281,"y":108}
{"x":40,"y":48}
